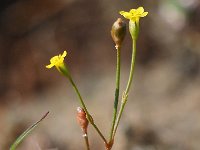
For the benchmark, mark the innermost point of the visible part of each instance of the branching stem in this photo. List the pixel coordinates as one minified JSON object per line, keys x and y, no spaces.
{"x":125,"y":94}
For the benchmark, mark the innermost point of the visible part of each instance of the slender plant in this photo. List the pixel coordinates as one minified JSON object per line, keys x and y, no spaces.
{"x":118,"y":32}
{"x":84,"y":117}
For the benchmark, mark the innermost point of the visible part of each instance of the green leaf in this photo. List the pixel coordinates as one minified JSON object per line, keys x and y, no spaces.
{"x":26,"y":133}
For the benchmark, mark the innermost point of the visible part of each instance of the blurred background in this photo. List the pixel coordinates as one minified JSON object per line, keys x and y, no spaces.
{"x":164,"y":102}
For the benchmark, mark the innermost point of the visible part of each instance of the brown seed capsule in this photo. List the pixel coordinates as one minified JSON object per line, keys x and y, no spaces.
{"x":82,"y":120}
{"x":118,"y":31}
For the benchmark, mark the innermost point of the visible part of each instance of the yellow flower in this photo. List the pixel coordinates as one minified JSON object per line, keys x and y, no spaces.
{"x":57,"y":61}
{"x":134,"y":14}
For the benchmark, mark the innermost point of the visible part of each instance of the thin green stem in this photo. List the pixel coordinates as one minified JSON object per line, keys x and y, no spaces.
{"x":116,"y":92}
{"x":85,"y":136}
{"x":125,"y":95}
{"x":119,"y":116}
{"x":79,"y":95}
{"x":132,"y":67}
{"x":99,"y":132}
{"x":65,"y":71}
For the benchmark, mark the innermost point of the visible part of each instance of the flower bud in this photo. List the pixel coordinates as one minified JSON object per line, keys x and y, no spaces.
{"x":82,"y":120}
{"x":118,"y":31}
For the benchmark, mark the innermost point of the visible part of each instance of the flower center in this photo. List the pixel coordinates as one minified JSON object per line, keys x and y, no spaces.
{"x":57,"y":60}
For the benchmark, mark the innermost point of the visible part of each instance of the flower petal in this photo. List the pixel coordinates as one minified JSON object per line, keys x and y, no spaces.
{"x":64,"y":54}
{"x":144,"y":14}
{"x":133,"y":11}
{"x":49,"y":66}
{"x":127,"y":15}
{"x":140,"y":10}
{"x":121,"y":12}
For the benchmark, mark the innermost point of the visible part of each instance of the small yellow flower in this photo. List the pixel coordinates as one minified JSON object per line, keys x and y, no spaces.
{"x":57,"y":61}
{"x":134,"y":14}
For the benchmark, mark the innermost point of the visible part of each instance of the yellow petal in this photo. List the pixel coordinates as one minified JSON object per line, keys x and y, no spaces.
{"x":140,"y":10}
{"x":127,"y":15}
{"x":132,"y":11}
{"x":64,"y":54}
{"x":144,"y":14}
{"x":49,"y":66}
{"x":121,"y":12}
